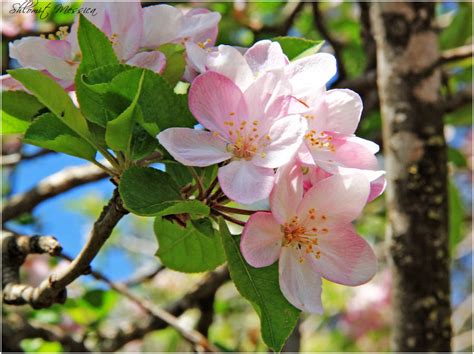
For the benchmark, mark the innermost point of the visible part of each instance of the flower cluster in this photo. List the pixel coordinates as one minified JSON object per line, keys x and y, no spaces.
{"x":270,"y":124}
{"x":136,"y":34}
{"x":279,"y":134}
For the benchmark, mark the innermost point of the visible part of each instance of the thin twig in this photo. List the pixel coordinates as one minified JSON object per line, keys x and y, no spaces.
{"x":49,"y":187}
{"x":140,"y":279}
{"x":210,"y":188}
{"x":190,"y":335}
{"x":13,"y":159}
{"x":458,"y":100}
{"x":53,"y":289}
{"x":206,"y":288}
{"x":454,"y":54}
{"x":235,"y":210}
{"x":198,"y":181}
{"x":318,"y":19}
{"x":228,"y":218}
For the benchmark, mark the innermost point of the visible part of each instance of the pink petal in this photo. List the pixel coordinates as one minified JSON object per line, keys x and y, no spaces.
{"x":351,"y":152}
{"x":261,"y":240}
{"x":310,"y":73}
{"x":338,"y":111}
{"x":200,"y":26}
{"x":287,"y":193}
{"x":298,"y":282}
{"x":214,"y":99}
{"x":126,"y":21}
{"x":196,"y":57}
{"x":161,"y":25}
{"x":10,"y":84}
{"x":38,"y":53}
{"x":286,"y":136}
{"x":345,"y":258}
{"x":268,"y":96}
{"x":209,"y":33}
{"x":155,"y":61}
{"x":265,"y":55}
{"x":229,"y":62}
{"x":194,"y":147}
{"x":339,"y":198}
{"x":377,"y":187}
{"x":244,"y":182}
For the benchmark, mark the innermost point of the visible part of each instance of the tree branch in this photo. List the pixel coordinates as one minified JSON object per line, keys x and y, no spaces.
{"x":460,"y":99}
{"x":16,"y":328}
{"x":454,"y":54}
{"x":13,"y":159}
{"x":15,"y":248}
{"x":49,"y":187}
{"x":53,"y":289}
{"x":192,"y":336}
{"x":335,"y":44}
{"x":206,"y":288}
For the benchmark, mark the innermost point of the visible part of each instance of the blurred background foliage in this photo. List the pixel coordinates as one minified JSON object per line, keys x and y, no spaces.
{"x":355,"y":319}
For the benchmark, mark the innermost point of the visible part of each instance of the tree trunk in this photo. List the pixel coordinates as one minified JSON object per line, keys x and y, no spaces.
{"x":417,"y":194}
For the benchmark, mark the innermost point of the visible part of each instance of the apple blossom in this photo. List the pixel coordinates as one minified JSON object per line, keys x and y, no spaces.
{"x":135,"y":34}
{"x":312,"y":236}
{"x":305,"y":75}
{"x":250,"y":128}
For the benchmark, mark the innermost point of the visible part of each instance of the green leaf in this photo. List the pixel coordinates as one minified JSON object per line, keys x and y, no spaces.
{"x":18,"y":110}
{"x":143,"y":144}
{"x":161,"y":107}
{"x":97,"y":52}
{"x":188,"y":249}
{"x":147,"y":191}
{"x":186,"y":207}
{"x":50,"y":133}
{"x":297,"y":48}
{"x":175,"y":62}
{"x":95,"y":47}
{"x":456,"y":157}
{"x":53,"y":96}
{"x":261,"y":287}
{"x":94,"y":306}
{"x":98,"y":79}
{"x":456,"y":217}
{"x":119,"y":131}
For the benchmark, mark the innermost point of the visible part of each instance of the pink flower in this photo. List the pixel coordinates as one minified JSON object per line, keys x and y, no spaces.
{"x":311,"y":174}
{"x":330,"y":142}
{"x":305,"y":75}
{"x":311,"y":235}
{"x":250,"y":128}
{"x":135,"y":34}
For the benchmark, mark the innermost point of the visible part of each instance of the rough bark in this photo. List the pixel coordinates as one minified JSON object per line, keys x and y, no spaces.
{"x":415,"y":152}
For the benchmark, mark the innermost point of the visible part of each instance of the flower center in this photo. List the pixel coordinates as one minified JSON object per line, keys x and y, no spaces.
{"x":245,"y":139}
{"x":321,"y":140}
{"x":304,"y":237}
{"x":61,"y":34}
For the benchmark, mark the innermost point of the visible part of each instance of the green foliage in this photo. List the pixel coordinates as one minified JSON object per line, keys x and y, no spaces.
{"x":38,"y":345}
{"x":175,"y":62}
{"x":92,"y":307}
{"x":97,"y":52}
{"x":51,"y":133}
{"x":150,"y":192}
{"x":456,"y":216}
{"x":18,"y":110}
{"x":194,"y":248}
{"x":161,"y":107}
{"x":460,"y":29}
{"x":95,"y":47}
{"x":456,"y":157}
{"x":297,"y":48}
{"x":53,"y":96}
{"x":119,"y":131}
{"x":261,"y":287}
